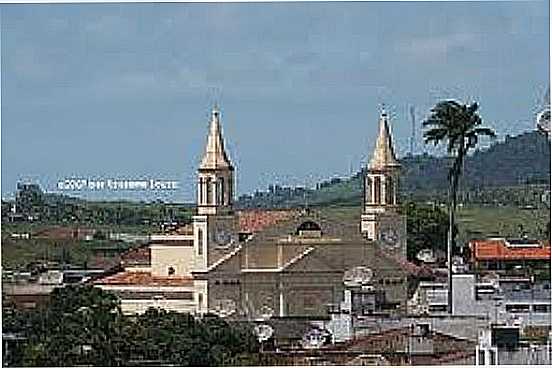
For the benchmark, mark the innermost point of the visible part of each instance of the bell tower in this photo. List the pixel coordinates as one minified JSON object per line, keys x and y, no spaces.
{"x":215,"y":187}
{"x":215,"y":225}
{"x":381,"y":220}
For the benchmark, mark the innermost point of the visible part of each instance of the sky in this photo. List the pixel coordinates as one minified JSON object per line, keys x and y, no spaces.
{"x":124,"y":91}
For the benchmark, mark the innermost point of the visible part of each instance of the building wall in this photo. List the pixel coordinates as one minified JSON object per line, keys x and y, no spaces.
{"x":139,"y":306}
{"x":138,"y":298}
{"x":463,"y":294}
{"x":181,"y":258}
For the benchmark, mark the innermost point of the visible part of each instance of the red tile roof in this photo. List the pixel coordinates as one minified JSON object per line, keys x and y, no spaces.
{"x":496,"y":249}
{"x":144,"y":279}
{"x":256,"y":220}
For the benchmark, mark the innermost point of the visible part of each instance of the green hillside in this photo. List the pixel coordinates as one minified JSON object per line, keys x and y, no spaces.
{"x":515,"y":163}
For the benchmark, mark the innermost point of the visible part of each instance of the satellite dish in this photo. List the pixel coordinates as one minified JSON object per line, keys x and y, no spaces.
{"x":313,"y":339}
{"x":265,"y":313}
{"x":224,"y":307}
{"x":263,"y":332}
{"x":357,"y":276}
{"x":543,"y":121}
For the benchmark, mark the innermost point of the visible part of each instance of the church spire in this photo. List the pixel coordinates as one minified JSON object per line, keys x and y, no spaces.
{"x":384,"y":156}
{"x":215,"y":157}
{"x":216,"y":174}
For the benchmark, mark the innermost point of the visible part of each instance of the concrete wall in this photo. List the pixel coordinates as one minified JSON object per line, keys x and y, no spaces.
{"x":139,"y":306}
{"x":463,"y":294}
{"x":181,"y":258}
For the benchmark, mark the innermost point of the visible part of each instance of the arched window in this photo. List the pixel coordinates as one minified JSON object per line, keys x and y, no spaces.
{"x":209,"y":192}
{"x":389,"y":191}
{"x":309,"y":228}
{"x":200,"y":242}
{"x":221,"y":189}
{"x":377,"y":190}
{"x":230,"y":190}
{"x":368,"y":189}
{"x":201,"y":191}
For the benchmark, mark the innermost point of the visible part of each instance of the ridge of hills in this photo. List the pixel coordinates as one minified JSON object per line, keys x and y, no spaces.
{"x":515,"y":161}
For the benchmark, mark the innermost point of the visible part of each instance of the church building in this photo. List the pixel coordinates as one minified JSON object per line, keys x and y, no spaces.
{"x":300,"y":265}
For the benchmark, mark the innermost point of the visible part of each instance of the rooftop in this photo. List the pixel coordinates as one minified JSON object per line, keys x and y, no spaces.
{"x":144,"y":279}
{"x":498,"y":249}
{"x":256,"y":220}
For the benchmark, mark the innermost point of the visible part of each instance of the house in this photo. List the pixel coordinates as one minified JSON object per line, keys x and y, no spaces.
{"x":510,"y":255}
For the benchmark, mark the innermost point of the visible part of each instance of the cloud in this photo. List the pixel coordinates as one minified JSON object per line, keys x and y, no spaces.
{"x":435,"y":47}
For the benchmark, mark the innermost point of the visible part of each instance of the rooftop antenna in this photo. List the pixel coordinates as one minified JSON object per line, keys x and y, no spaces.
{"x":413,"y":135}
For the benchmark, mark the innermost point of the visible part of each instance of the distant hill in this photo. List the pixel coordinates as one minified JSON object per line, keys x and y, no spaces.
{"x":516,"y":160}
{"x":523,"y":159}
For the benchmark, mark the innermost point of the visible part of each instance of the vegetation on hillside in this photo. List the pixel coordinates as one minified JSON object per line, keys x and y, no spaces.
{"x":517,"y":163}
{"x":32,"y":204}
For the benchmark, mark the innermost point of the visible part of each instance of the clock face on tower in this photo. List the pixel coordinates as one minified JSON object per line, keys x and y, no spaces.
{"x":223,"y":238}
{"x":389,"y":237}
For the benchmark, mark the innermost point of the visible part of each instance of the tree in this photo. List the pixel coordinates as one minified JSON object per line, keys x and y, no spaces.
{"x":182,"y":339}
{"x":459,"y":126}
{"x":426,"y":227}
{"x":84,"y":326}
{"x":79,"y":325}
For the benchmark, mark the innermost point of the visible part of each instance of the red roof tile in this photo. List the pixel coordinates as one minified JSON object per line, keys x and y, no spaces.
{"x":256,"y":220}
{"x":496,"y":249}
{"x":144,"y":279}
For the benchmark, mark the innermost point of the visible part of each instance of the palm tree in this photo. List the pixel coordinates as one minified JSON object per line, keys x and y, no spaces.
{"x":459,"y":126}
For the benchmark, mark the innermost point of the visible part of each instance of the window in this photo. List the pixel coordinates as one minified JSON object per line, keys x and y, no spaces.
{"x":517,"y":308}
{"x":171,"y":271}
{"x":209,"y":198}
{"x":492,"y":357}
{"x":230,"y":190}
{"x":389,"y":191}
{"x":309,"y":229}
{"x":541,"y":308}
{"x":481,"y":357}
{"x":368,"y":189}
{"x":377,"y":190}
{"x":437,"y":308}
{"x":201,"y":194}
{"x":221,"y":189}
{"x":200,"y":242}
{"x":200,"y":299}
